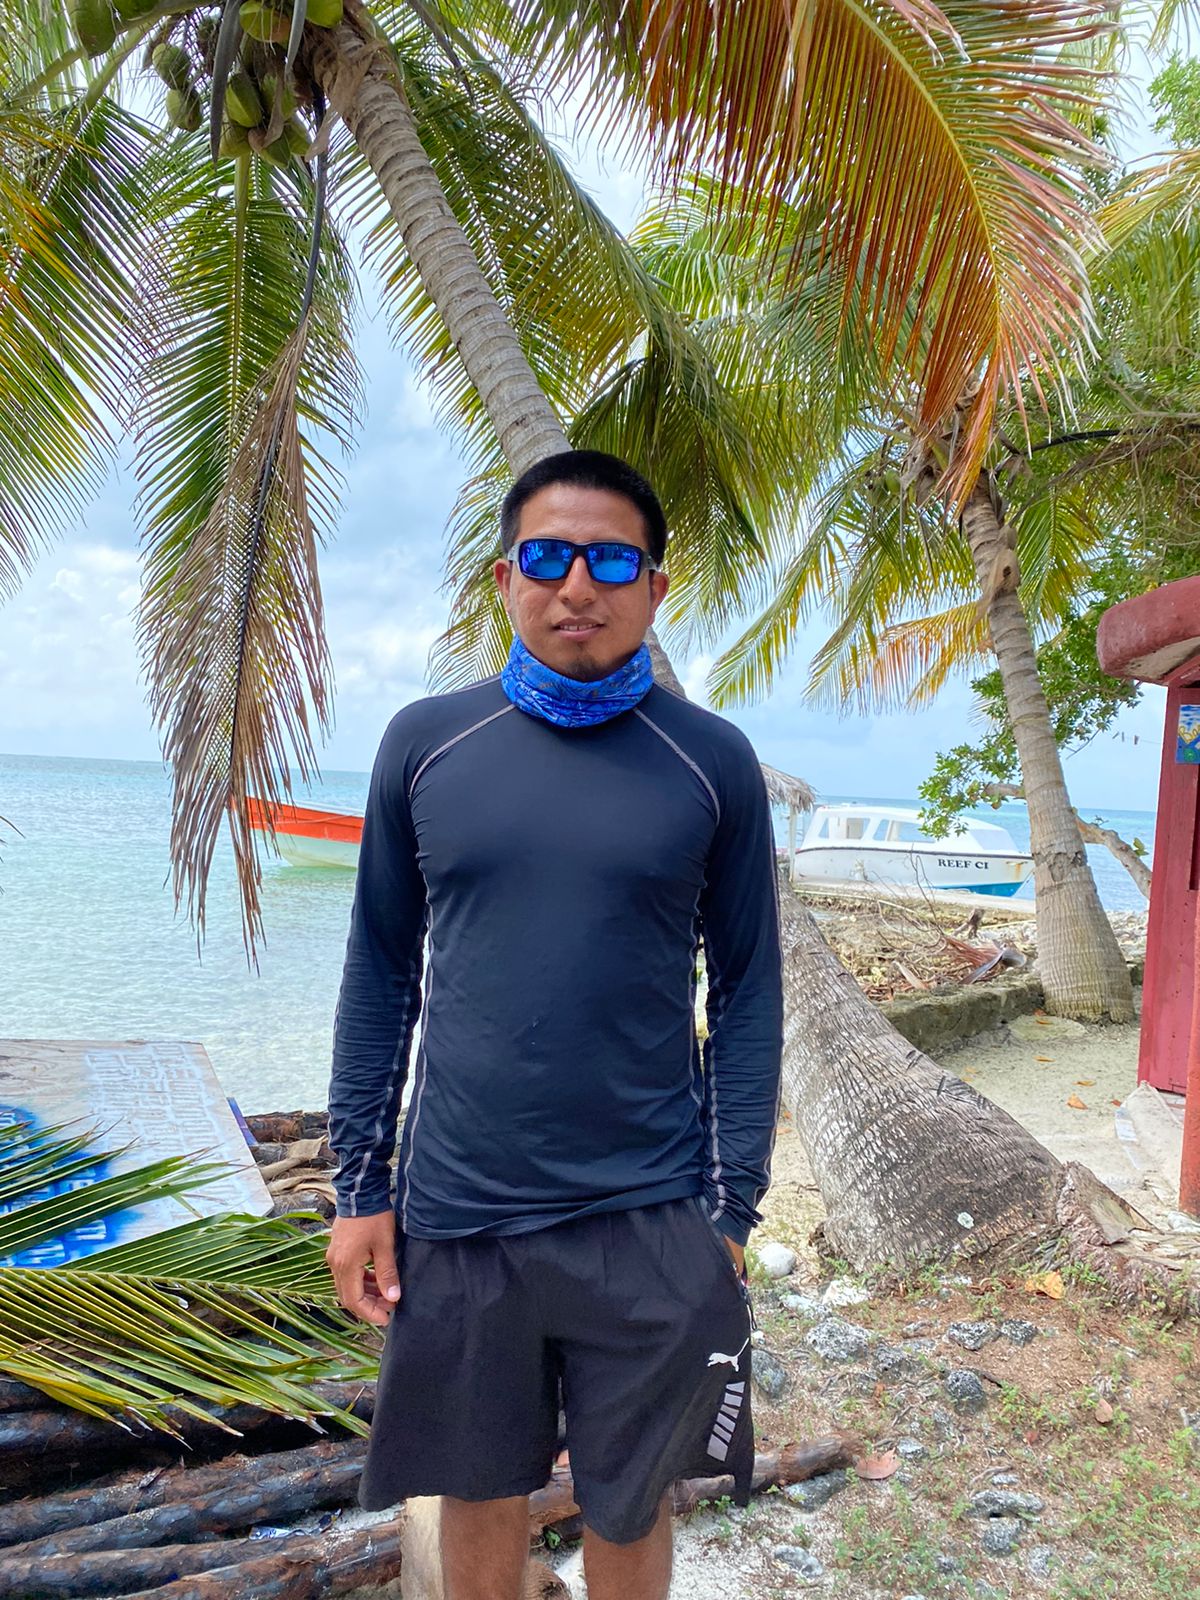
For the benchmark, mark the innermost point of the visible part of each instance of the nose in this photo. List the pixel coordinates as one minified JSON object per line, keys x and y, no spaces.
{"x":578,"y":585}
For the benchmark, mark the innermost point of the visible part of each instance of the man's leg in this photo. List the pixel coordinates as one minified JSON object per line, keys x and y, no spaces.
{"x":485,"y":1548}
{"x":638,"y":1571}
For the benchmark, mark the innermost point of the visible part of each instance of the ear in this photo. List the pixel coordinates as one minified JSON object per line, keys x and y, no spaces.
{"x":502,"y":572}
{"x":659,"y":584}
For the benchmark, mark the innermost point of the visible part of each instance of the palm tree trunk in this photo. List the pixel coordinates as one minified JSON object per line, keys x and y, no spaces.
{"x":361,"y":86}
{"x":911,"y":1162}
{"x":1082,"y":968}
{"x":900,"y":1154}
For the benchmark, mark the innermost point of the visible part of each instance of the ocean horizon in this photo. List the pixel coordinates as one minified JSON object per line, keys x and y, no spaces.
{"x":93,"y":949}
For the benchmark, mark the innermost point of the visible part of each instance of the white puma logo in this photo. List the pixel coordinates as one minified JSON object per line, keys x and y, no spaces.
{"x":717,"y":1358}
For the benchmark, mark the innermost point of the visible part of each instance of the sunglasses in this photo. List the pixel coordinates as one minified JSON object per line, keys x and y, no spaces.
{"x":549,"y":560}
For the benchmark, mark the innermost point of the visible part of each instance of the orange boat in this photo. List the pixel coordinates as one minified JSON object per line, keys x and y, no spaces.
{"x":309,"y":838}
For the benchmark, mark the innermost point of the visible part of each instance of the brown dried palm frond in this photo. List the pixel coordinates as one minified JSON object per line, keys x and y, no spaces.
{"x":237,"y":656}
{"x":936,"y":148}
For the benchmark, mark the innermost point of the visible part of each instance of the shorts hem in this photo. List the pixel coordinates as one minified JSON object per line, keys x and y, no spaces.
{"x":741,"y":1497}
{"x":530,"y":1483}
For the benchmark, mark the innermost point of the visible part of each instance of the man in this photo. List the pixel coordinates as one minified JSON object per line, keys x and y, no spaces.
{"x":575,"y":1185}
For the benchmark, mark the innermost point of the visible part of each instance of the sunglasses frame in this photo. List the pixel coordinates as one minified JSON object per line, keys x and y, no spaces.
{"x":645,"y":561}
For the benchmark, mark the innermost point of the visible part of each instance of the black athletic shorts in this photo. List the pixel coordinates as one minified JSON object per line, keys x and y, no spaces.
{"x":638,"y":1317}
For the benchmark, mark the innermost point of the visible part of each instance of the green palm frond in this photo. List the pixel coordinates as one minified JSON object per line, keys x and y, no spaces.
{"x":1170,"y":16}
{"x":69,"y":208}
{"x":746,"y":670}
{"x":911,"y":661}
{"x":936,"y":145}
{"x":906,"y":557}
{"x":1056,"y":538}
{"x":219,"y":1311}
{"x":1165,"y":189}
{"x":241,"y":399}
{"x":475,"y":643}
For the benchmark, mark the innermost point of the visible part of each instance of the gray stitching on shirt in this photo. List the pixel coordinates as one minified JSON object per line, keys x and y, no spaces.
{"x":418,"y":1092}
{"x":449,"y":745}
{"x":683,"y":756}
{"x":397,"y":1065}
{"x":710,"y":1085}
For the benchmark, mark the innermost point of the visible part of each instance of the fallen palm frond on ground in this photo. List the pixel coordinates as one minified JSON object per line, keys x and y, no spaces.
{"x":217,"y":1313}
{"x":895,"y":945}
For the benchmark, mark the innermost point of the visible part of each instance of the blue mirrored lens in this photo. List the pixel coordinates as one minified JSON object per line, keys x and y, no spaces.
{"x":545,"y":558}
{"x":614,"y":563}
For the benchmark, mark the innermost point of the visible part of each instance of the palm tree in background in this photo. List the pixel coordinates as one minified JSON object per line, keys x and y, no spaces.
{"x":1107,"y":467}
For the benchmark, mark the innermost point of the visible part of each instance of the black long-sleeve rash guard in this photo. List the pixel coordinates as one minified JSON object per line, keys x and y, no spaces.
{"x":563,"y":878}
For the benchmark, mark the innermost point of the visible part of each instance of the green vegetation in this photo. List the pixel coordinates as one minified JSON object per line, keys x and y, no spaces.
{"x":216,"y":1311}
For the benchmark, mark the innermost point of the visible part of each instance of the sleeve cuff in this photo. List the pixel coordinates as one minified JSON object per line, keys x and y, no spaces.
{"x":368,"y":1204}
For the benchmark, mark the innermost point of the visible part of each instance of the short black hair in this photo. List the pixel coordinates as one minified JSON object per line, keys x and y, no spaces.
{"x":587,"y":469}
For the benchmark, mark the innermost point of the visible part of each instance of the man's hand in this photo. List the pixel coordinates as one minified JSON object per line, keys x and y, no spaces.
{"x":738,"y":1252}
{"x":362,"y":1259}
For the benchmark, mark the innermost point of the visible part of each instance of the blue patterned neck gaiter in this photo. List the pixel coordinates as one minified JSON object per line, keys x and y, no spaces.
{"x":536,"y":689}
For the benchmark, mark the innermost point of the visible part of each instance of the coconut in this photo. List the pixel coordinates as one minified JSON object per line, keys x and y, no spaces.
{"x":243,"y":101}
{"x":95,"y":25}
{"x":173,"y":65}
{"x":184,"y":109}
{"x":265,"y":23}
{"x":324,"y":13}
{"x":235,"y":141}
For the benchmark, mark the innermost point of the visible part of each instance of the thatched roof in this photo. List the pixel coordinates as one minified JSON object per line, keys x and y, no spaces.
{"x":785,"y":790}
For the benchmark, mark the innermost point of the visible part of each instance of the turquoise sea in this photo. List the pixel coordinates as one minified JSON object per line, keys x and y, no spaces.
{"x":90,"y":946}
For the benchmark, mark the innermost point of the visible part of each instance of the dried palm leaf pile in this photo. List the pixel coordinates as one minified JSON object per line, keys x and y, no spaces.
{"x":897,"y":946}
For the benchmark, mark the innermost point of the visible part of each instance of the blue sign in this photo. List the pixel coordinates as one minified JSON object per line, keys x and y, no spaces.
{"x":66,"y":1247}
{"x":1187,"y":748}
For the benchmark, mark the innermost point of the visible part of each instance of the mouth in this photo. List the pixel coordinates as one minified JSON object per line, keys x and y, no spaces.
{"x":577,"y":629}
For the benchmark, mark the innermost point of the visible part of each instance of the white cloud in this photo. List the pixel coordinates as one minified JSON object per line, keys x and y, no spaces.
{"x":68,"y":664}
{"x":693,"y":678}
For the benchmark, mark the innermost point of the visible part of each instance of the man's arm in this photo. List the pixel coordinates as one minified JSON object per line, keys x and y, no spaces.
{"x":743,"y":1052}
{"x":376,"y":1012}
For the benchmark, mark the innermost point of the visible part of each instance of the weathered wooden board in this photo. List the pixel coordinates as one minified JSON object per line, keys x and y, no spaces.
{"x":162,"y":1097}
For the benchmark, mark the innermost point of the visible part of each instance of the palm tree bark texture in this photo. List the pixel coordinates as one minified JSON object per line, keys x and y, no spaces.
{"x":900,"y":1150}
{"x":1082,"y":968}
{"x":361,"y":86}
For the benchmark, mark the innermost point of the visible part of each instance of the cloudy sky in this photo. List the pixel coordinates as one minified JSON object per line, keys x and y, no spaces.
{"x":69,"y":681}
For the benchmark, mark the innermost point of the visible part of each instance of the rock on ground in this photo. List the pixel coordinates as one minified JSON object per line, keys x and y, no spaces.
{"x":1004,"y":1503}
{"x":769,"y":1373}
{"x":776,"y":1260}
{"x":965,"y":1388}
{"x":813,"y":1493}
{"x":801,"y":1561}
{"x":838,"y":1340}
{"x":972,"y":1335}
{"x":1002,"y":1535}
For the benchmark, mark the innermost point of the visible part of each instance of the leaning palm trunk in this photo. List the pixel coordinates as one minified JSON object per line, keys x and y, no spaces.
{"x":842,"y":1055}
{"x":1083,"y":971}
{"x":911,"y":1162}
{"x":362,"y":86}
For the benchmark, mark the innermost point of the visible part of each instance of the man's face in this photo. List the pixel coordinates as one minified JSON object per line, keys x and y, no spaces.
{"x":576,"y":626}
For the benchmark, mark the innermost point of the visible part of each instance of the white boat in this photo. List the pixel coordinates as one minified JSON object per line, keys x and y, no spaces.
{"x":887,"y":845}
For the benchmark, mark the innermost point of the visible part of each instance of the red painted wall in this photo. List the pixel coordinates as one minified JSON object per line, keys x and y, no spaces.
{"x":1174,"y":907}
